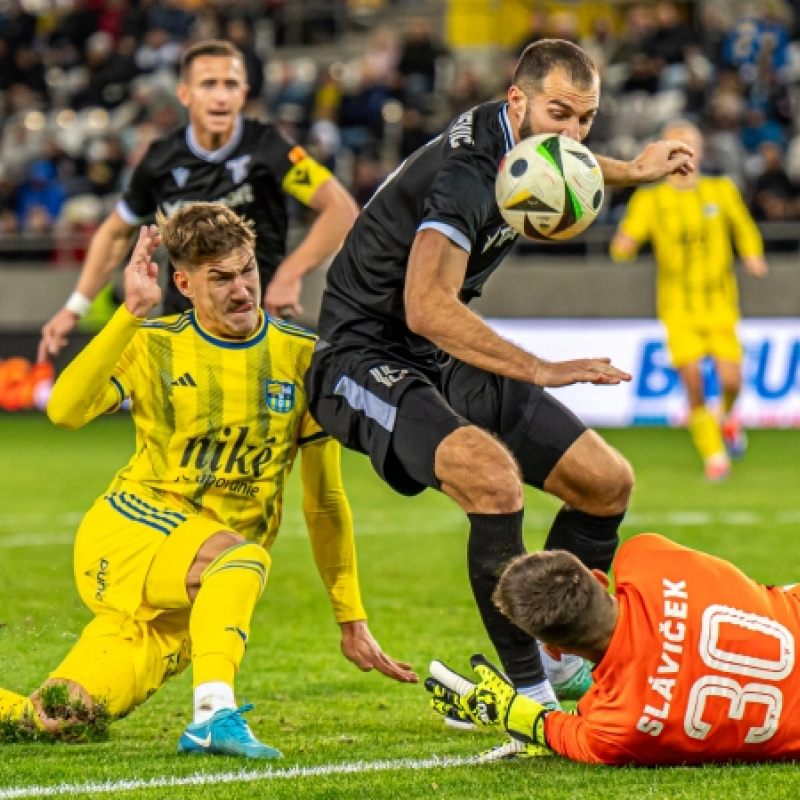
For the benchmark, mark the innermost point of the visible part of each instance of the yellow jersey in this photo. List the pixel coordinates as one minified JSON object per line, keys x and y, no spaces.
{"x":218,"y":425}
{"x":690,"y":231}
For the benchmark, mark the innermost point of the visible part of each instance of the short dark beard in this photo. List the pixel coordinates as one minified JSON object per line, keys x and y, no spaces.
{"x":525,"y":127}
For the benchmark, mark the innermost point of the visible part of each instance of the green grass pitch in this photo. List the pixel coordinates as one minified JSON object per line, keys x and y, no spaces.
{"x":311,"y":703}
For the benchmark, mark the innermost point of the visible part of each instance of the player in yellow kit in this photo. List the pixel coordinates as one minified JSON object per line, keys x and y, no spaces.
{"x":173,"y":557}
{"x":690,"y":220}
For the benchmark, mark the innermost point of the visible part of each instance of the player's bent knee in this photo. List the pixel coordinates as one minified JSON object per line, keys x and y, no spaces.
{"x":211,"y":549}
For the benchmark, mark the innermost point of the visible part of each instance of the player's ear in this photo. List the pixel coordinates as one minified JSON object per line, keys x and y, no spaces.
{"x":601,"y":578}
{"x":183,"y":283}
{"x":183,"y":94}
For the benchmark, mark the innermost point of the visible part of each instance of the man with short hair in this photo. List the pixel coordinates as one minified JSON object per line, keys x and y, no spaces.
{"x":174,"y":556}
{"x":696,"y":662}
{"x":691,"y":220}
{"x":407,"y":374}
{"x":218,"y":157}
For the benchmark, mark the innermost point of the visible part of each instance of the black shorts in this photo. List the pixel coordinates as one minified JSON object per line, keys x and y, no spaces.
{"x":398,"y":415}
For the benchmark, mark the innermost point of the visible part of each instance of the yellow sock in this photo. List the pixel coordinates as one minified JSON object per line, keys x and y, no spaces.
{"x":706,"y":433}
{"x":219,"y":625}
{"x":16,"y":706}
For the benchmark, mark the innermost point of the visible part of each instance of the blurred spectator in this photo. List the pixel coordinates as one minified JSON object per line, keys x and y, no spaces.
{"x":76,"y":26}
{"x":757,"y":35}
{"x":643,"y":77}
{"x":240,"y":34}
{"x":158,"y":51}
{"x":367,"y":177}
{"x":414,"y":134}
{"x":467,"y":90}
{"x":418,"y":55}
{"x":757,"y":129}
{"x":666,"y":44}
{"x":108,"y":74}
{"x":360,"y":112}
{"x":537,"y":30}
{"x":105,"y":164}
{"x":775,"y":198}
{"x":112,"y":18}
{"x":602,"y":42}
{"x":563,"y":25}
{"x":27,"y":69}
{"x":639,"y":25}
{"x":37,"y":234}
{"x":18,"y":26}
{"x":40,"y":188}
{"x":9,"y":195}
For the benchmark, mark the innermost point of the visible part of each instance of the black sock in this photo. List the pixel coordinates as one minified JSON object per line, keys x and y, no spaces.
{"x":494,"y":540}
{"x":592,"y":539}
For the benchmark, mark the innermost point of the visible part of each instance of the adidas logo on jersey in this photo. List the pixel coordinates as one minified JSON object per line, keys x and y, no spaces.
{"x":185,"y":380}
{"x":181,"y":175}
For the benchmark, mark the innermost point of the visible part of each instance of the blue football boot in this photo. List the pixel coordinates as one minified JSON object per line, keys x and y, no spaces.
{"x":226,"y":733}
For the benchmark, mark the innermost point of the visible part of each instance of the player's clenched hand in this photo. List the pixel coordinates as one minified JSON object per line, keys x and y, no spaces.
{"x":282,"y":297}
{"x":359,"y":646}
{"x":601,"y":371}
{"x":522,"y":717}
{"x":142,"y":291}
{"x":662,"y":158}
{"x":55,"y":333}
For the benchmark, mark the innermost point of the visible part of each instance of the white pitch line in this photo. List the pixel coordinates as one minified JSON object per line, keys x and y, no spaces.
{"x":240,"y":776}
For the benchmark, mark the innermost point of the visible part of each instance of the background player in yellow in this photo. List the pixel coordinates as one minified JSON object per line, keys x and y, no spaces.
{"x":690,"y":220}
{"x":219,"y":156}
{"x":173,"y":557}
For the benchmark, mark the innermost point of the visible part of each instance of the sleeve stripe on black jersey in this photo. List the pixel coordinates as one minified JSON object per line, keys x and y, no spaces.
{"x":315,"y":437}
{"x":124,"y":210}
{"x":453,"y":234}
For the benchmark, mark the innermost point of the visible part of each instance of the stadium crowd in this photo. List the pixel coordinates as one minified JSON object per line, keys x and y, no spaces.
{"x":86,"y":85}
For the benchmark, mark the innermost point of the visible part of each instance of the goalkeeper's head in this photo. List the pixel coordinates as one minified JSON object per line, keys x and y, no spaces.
{"x":552,"y":596}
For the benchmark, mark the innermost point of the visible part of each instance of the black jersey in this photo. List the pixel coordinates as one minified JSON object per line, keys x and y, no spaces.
{"x":447,"y":185}
{"x":249,"y":174}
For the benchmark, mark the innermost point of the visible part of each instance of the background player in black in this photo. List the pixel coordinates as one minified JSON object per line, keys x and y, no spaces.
{"x":219,"y":157}
{"x":480,"y":424}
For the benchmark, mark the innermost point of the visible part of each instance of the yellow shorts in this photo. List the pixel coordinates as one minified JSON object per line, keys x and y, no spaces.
{"x":689,"y":341}
{"x":131,"y":559}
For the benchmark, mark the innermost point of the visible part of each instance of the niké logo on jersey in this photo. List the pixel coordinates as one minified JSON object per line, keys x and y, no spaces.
{"x":181,"y":175}
{"x":238,"y":168}
{"x":279,"y":396}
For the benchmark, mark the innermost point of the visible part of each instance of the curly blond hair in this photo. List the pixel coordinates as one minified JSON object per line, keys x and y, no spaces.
{"x":203,"y":232}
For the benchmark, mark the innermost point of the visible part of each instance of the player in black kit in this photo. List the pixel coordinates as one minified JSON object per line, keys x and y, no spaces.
{"x":220,"y":157}
{"x":407,"y":374}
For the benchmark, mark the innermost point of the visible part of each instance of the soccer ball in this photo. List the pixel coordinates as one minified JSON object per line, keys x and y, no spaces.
{"x":549,"y":187}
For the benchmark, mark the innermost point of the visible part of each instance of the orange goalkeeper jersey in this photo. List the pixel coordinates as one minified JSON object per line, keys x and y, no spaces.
{"x":701,"y":666}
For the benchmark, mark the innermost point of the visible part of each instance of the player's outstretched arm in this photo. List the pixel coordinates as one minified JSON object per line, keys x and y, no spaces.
{"x":106,"y":250}
{"x":656,"y":161}
{"x":337,"y":212}
{"x":436,"y":270}
{"x":330,"y":528}
{"x":84,"y":390}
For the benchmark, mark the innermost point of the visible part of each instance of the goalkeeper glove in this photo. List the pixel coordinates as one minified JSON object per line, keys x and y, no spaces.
{"x":459,"y":700}
{"x":522,"y":717}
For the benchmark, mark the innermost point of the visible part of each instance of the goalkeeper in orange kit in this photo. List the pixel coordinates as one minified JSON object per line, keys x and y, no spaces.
{"x":690,"y":219}
{"x":173,"y":557}
{"x":695,"y":662}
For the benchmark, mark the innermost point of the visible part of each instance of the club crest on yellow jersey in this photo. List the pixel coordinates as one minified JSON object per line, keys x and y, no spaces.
{"x":280,"y":396}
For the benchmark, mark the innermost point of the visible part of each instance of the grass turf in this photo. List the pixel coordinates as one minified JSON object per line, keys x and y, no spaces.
{"x":312,"y":704}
